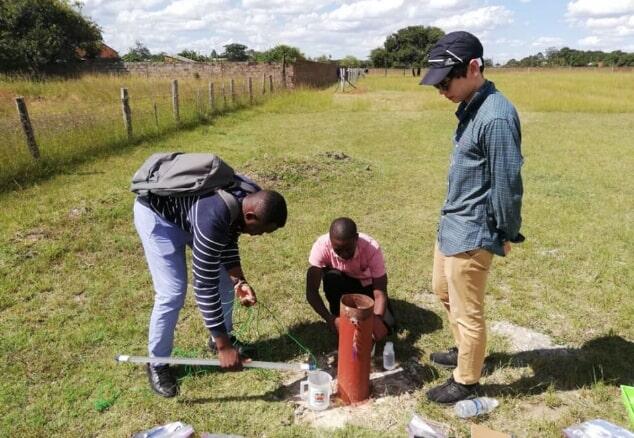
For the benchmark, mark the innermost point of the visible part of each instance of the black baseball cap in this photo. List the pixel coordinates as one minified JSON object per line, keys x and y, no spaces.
{"x":452,"y":49}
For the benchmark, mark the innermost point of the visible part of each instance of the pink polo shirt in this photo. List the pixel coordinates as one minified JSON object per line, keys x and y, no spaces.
{"x":366,"y":264}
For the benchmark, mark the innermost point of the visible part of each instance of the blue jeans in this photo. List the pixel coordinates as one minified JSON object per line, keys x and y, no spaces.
{"x":164,"y":244}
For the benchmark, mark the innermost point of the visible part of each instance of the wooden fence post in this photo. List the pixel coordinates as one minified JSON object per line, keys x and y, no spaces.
{"x":212,"y":99}
{"x":250,"y":91}
{"x":271,"y":83}
{"x":155,"y":106}
{"x":264,"y":84}
{"x":232,"y":89}
{"x":27,"y":127}
{"x":284,"y":70}
{"x":175,"y":105}
{"x":224,"y":95}
{"x":127,"y":113}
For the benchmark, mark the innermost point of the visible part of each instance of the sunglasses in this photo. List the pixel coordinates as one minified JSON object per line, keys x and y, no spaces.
{"x":444,"y":84}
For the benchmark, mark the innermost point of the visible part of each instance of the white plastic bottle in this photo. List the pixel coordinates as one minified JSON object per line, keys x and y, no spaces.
{"x":389,"y":362}
{"x":476,"y":406}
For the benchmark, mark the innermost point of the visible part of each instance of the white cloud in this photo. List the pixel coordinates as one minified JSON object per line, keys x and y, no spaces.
{"x":337,"y":27}
{"x":366,"y":9}
{"x":591,"y":41}
{"x":610,"y":24}
{"x":545,"y":41}
{"x":600,"y":8}
{"x":481,"y":19}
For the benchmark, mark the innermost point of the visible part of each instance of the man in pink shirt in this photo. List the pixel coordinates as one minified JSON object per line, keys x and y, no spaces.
{"x":348,"y":262}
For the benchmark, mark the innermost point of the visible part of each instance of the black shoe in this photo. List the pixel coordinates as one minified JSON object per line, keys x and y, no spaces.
{"x":445,"y":359}
{"x":162,"y":381}
{"x":451,"y":392}
{"x":244,"y":350}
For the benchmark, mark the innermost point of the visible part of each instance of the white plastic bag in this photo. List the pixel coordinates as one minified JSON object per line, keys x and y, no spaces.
{"x":423,"y":428}
{"x":170,"y":430}
{"x":596,"y":429}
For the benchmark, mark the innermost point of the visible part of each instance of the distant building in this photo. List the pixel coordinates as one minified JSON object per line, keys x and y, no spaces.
{"x":105,"y":52}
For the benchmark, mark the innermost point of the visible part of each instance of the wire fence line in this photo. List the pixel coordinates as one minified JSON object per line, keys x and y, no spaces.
{"x":348,"y":77}
{"x":42,"y":132}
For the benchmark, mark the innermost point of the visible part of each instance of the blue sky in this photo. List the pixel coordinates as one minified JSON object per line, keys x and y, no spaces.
{"x":507,"y":28}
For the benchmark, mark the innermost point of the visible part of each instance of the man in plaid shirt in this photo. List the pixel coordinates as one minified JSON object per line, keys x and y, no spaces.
{"x":481,"y":215}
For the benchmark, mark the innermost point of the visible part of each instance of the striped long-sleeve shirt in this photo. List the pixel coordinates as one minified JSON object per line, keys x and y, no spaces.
{"x":484,"y":194}
{"x":214,"y":243}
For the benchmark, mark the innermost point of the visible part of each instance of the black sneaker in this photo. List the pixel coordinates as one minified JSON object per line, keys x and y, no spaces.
{"x":451,"y":392}
{"x":244,"y":350}
{"x":445,"y":359}
{"x":161,"y":380}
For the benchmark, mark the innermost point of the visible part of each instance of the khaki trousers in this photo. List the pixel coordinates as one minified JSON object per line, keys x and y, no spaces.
{"x":459,"y":281}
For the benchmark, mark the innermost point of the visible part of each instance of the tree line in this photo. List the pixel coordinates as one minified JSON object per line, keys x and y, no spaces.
{"x":232,"y":52}
{"x":567,"y":57}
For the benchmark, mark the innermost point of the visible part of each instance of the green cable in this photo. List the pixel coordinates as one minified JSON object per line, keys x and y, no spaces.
{"x":310,"y":353}
{"x":253,"y":314}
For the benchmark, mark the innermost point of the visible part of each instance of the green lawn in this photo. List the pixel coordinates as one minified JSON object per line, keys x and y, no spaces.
{"x":75,"y":291}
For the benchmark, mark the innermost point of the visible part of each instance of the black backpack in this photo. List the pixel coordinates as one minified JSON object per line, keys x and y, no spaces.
{"x":185,"y":174}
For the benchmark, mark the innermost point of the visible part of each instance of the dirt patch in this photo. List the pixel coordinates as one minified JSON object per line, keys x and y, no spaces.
{"x":78,"y":212}
{"x":286,"y":172}
{"x":522,"y":338}
{"x":32,"y":236}
{"x":392,"y":398}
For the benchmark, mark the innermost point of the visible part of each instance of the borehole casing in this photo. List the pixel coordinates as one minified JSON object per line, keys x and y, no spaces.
{"x":355,"y":347}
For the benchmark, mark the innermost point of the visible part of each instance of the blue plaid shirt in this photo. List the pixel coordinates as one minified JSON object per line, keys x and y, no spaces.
{"x":484,"y":193}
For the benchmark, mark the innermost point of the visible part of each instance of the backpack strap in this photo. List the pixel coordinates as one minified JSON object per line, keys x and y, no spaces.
{"x":232,"y":203}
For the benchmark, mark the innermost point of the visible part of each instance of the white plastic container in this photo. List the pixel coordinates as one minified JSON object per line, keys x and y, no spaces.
{"x":476,"y":406}
{"x":317,"y":390}
{"x":389,"y":360}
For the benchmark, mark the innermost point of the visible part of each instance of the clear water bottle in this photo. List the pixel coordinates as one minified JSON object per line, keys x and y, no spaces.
{"x":476,"y":406}
{"x":389,"y":362}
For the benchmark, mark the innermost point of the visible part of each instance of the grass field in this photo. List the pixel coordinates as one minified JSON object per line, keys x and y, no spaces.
{"x":75,"y":119}
{"x":75,"y":291}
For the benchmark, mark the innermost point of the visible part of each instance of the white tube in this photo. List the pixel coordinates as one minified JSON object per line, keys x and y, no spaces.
{"x":283,"y":366}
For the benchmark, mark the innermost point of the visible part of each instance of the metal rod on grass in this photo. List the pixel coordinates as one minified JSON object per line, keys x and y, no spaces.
{"x":282,"y":366}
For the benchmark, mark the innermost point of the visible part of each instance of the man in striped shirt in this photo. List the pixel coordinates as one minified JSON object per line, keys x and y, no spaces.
{"x":481,"y":214}
{"x":166,"y":226}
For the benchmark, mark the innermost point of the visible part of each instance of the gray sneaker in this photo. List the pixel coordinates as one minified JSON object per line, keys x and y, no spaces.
{"x":162,"y":381}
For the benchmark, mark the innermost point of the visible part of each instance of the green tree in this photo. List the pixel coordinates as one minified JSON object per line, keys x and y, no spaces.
{"x":410,"y":45}
{"x":349,"y":61}
{"x":193,"y":55}
{"x":323,"y":58}
{"x":138,"y":53}
{"x":214,"y":54}
{"x":36,"y":34}
{"x":380,"y":57}
{"x":281,"y":52}
{"x":235,"y":52}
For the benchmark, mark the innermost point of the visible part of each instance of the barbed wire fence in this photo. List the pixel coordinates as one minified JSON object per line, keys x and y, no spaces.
{"x":61,"y":132}
{"x":348,"y":77}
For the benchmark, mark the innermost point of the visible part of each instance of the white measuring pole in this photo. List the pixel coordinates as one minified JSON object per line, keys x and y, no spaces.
{"x":282,"y":366}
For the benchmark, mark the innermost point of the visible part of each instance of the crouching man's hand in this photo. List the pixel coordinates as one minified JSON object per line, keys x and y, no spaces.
{"x":333,"y":324}
{"x":379,"y":329}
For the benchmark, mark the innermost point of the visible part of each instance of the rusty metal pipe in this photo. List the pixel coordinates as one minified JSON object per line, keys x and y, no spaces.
{"x":355,"y":347}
